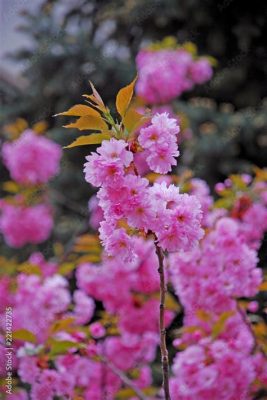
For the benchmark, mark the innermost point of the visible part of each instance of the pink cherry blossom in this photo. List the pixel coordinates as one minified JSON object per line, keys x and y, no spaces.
{"x":160,"y":142}
{"x":32,"y":159}
{"x":165,"y":74}
{"x":200,"y":71}
{"x":22,"y":225}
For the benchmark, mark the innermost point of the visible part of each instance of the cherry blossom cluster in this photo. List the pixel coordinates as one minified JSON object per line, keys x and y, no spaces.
{"x":87,"y":330}
{"x":166,"y":73}
{"x":208,"y":281}
{"x":21,"y":224}
{"x":159,"y":140}
{"x":249,"y":207}
{"x":124,"y":195}
{"x":212,"y":370}
{"x":216,"y":355}
{"x":137,"y":305}
{"x":40,"y":301}
{"x":32,"y":161}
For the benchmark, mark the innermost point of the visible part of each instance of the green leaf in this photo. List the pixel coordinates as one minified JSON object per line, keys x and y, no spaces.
{"x":60,"y":346}
{"x":224,"y":203}
{"x":95,"y":138}
{"x":238,"y":182}
{"x":29,"y":269}
{"x":24,"y":335}
{"x":66,"y":268}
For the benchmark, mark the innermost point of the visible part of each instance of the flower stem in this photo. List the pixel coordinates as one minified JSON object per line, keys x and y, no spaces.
{"x":163,"y":346}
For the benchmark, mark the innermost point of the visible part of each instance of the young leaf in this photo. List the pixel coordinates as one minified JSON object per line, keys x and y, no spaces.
{"x":80,"y":110}
{"x":263,"y":287}
{"x":66,"y":268}
{"x":96,"y":98}
{"x":95,"y":138}
{"x":40,"y":127}
{"x":88,"y":122}
{"x":219,"y":325}
{"x":88,"y":239}
{"x":11,"y":187}
{"x":203,"y":315}
{"x":93,"y":258}
{"x":25,"y":335}
{"x":132,"y":119}
{"x":62,"y":325}
{"x":191,"y":329}
{"x":96,"y":94}
{"x":60,"y":346}
{"x":124,"y":98}
{"x":127,"y":393}
{"x":29,"y":269}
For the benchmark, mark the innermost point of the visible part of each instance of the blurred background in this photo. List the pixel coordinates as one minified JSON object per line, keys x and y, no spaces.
{"x":50,"y":49}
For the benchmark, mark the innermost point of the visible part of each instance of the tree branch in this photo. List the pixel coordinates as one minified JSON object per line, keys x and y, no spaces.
{"x":163,"y":347}
{"x":128,"y":382}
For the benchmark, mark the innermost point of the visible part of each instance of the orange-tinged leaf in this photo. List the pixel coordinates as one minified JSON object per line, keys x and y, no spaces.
{"x":152,"y":176}
{"x":88,"y":123}
{"x":219,"y":326}
{"x":112,"y":331}
{"x":88,"y":239}
{"x":124,"y":98}
{"x":29,"y":269}
{"x":66,"y":268}
{"x":170,"y":302}
{"x":192,"y":329}
{"x":11,"y":187}
{"x":15,"y":129}
{"x":62,"y":325}
{"x":95,"y":138}
{"x":40,"y":127}
{"x":259,"y":329}
{"x":132,"y":119}
{"x":85,"y":248}
{"x":127,"y":393}
{"x":203,"y":315}
{"x":261,"y":174}
{"x":80,"y":110}
{"x":58,"y":249}
{"x":93,"y":258}
{"x":263,"y":286}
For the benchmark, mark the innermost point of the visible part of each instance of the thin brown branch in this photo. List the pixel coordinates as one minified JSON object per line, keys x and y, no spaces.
{"x":124,"y":378}
{"x":163,"y":346}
